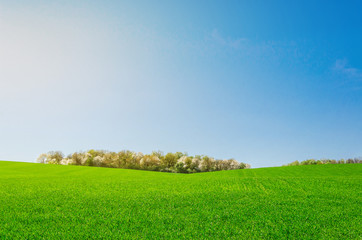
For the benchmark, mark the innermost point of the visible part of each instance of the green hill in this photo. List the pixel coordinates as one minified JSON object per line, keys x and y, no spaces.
{"x":52,"y":202}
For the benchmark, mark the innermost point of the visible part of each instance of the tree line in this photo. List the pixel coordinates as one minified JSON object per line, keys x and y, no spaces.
{"x":156,"y":161}
{"x":326,"y":161}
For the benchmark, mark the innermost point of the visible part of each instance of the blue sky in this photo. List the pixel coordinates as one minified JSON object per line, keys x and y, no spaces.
{"x":264,"y":82}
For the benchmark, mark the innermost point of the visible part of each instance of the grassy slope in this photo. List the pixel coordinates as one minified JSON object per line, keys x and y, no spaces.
{"x":48,"y":201}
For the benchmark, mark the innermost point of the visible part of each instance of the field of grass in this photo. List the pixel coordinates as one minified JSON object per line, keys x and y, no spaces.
{"x":302,"y":202}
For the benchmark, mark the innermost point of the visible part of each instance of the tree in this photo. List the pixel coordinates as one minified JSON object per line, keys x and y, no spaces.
{"x":55,"y":157}
{"x":180,"y":167}
{"x":295,"y":163}
{"x":77,"y":158}
{"x":42,"y":158}
{"x":350,"y":160}
{"x":150,"y":162}
{"x":169,"y":160}
{"x":196,"y":164}
{"x":207,"y":164}
{"x":358,"y":160}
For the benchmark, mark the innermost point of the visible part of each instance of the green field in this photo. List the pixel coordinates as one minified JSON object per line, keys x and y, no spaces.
{"x":72,"y":202}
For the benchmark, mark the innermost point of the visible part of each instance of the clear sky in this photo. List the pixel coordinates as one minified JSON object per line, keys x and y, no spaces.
{"x":264,"y":82}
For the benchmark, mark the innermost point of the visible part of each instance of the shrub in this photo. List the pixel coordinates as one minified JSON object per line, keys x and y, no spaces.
{"x":326,"y":161}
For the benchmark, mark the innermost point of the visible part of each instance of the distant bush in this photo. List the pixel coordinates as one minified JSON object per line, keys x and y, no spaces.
{"x":156,"y":161}
{"x":326,"y":161}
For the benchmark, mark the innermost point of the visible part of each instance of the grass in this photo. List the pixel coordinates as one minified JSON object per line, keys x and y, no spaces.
{"x":72,"y":202}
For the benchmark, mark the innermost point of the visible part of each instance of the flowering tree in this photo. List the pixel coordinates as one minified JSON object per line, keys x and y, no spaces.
{"x":156,"y":161}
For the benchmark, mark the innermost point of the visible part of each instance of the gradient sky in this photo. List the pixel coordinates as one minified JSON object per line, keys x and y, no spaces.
{"x":264,"y":82}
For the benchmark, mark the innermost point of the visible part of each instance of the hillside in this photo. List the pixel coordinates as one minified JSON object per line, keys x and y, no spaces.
{"x":53,"y":201}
